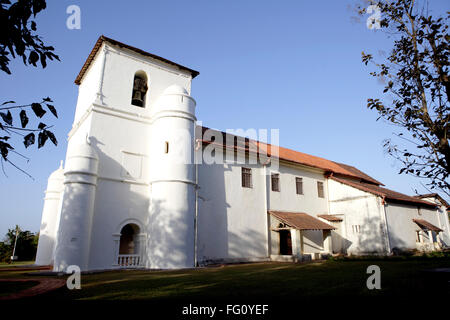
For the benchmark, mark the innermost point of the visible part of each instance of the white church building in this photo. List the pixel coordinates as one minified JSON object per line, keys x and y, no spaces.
{"x":145,"y":186}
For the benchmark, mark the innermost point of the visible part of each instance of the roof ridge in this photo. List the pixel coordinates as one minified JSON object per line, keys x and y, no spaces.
{"x":103,"y":38}
{"x":383,"y":192}
{"x":306,"y":159}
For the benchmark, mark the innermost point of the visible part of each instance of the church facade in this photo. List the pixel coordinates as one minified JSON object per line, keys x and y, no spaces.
{"x":145,"y":186}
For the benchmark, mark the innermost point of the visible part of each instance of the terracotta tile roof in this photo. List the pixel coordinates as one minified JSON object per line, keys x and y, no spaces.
{"x":383,"y":192}
{"x":330,"y":217}
{"x":102,"y":39}
{"x":434,"y":196}
{"x":295,"y":157}
{"x":425,"y":224}
{"x":300,"y":220}
{"x":359,"y":173}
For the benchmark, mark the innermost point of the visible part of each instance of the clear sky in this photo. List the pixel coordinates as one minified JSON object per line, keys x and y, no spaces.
{"x":288,"y":65}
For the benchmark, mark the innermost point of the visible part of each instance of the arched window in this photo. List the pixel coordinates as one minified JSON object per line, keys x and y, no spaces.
{"x":128,"y":239}
{"x":140,"y":88}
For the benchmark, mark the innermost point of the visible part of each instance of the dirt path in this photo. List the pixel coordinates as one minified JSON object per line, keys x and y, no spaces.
{"x":45,"y":285}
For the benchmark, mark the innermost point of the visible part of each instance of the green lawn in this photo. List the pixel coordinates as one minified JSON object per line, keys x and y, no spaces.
{"x":399,"y":276}
{"x":7,"y":288}
{"x":17,"y":263}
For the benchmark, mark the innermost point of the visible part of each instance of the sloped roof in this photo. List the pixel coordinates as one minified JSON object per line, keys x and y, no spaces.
{"x":435,"y":196}
{"x":383,"y":192}
{"x":330,"y":217}
{"x":102,"y":39}
{"x":297,"y":157}
{"x":300,"y":220}
{"x":425,"y":224}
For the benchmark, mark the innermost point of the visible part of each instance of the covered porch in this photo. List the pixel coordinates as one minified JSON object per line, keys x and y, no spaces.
{"x":298,"y":236}
{"x":427,"y":236}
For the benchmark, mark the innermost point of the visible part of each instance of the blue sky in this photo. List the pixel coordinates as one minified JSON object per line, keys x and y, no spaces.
{"x":288,"y":65}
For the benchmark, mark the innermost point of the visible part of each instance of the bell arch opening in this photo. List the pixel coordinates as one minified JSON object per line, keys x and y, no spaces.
{"x":140,"y":88}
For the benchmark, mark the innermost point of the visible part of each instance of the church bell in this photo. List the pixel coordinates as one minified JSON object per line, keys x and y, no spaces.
{"x":139,"y":90}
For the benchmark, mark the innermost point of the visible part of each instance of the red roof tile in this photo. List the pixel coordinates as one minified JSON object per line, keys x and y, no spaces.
{"x":383,"y":192}
{"x":330,"y":217}
{"x":425,"y":224}
{"x":300,"y":220}
{"x":295,"y":157}
{"x":434,"y":196}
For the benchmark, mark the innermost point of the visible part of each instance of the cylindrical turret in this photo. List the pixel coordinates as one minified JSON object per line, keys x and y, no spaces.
{"x":172,"y":178}
{"x":75,"y":221}
{"x":47,"y":233}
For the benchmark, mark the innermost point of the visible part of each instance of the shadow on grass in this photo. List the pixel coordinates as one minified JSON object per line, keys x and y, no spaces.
{"x":264,"y":281}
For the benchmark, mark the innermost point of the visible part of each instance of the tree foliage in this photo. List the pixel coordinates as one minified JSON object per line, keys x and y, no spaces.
{"x":417,"y":89}
{"x":19,"y":39}
{"x":18,"y":36}
{"x":26,"y":245}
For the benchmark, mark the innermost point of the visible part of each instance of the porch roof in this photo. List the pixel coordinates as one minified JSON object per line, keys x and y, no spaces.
{"x":425,"y":224}
{"x":300,"y":220}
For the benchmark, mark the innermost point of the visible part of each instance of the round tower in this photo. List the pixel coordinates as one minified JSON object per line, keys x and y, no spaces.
{"x":172,"y":179}
{"x":47,"y":232}
{"x":75,"y":220}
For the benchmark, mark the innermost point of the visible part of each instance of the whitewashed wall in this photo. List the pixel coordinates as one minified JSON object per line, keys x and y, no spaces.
{"x":120,"y":68}
{"x":402,"y":229}
{"x":444,"y":222}
{"x":49,"y":227}
{"x":90,"y":86}
{"x":309,"y":202}
{"x":359,"y":209}
{"x":123,"y":191}
{"x":232,"y":220}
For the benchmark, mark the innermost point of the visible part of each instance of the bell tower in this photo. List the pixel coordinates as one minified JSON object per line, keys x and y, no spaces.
{"x":129,"y":162}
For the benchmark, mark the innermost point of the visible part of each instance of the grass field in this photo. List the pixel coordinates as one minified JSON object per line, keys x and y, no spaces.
{"x":18,"y":263}
{"x":259,"y":281}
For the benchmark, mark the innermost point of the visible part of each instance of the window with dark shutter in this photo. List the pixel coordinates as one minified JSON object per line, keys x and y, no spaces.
{"x":275,"y":182}
{"x":246,"y":178}
{"x":320,"y":191}
{"x":299,"y":185}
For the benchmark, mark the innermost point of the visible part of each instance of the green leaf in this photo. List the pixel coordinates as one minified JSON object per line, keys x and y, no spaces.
{"x":33,"y":58}
{"x":4,"y":149}
{"x":28,"y":140}
{"x":23,"y":118}
{"x":38,"y":111}
{"x":42,"y":138}
{"x":52,"y":110}
{"x":7,"y":117}
{"x":52,"y":137}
